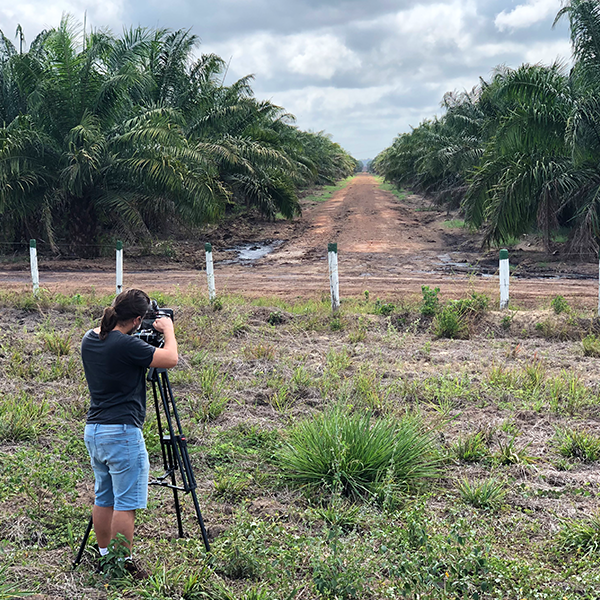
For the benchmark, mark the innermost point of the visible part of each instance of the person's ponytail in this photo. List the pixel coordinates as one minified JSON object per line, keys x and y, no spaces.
{"x":109,"y":322}
{"x":127,"y":305}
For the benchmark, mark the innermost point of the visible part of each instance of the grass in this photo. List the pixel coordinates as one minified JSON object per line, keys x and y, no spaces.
{"x":488,"y":493}
{"x":577,"y":444}
{"x":266,"y":385}
{"x":454,"y":224}
{"x":470,"y":448}
{"x":400,"y":194}
{"x":325,"y":192}
{"x":580,"y":535}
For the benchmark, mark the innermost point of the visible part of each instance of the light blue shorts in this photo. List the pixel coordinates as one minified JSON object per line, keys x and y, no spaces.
{"x":120,"y":463}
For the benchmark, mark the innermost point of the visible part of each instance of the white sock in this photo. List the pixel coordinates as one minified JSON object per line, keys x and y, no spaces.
{"x":103,"y":551}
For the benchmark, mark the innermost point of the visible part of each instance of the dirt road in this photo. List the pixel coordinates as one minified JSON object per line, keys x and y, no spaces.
{"x":386,"y":246}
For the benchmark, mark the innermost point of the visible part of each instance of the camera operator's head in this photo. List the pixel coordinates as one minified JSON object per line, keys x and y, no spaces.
{"x":127,"y":306}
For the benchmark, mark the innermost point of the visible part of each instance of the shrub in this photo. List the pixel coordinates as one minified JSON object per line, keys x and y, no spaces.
{"x":451,"y":323}
{"x":455,"y":317}
{"x":559,"y":305}
{"x":383,"y":308}
{"x":359,"y":456}
{"x":275,"y":318}
{"x":489,"y":493}
{"x":431,"y":302}
{"x":579,"y":444}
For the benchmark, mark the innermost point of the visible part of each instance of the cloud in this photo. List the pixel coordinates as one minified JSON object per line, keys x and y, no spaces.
{"x":362,"y":71}
{"x":527,"y":14}
{"x":35,"y":16}
{"x":311,"y":55}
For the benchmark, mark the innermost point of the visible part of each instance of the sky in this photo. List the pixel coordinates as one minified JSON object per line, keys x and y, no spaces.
{"x":362,"y":71}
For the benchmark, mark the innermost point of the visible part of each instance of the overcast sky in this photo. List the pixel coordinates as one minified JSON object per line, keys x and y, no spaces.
{"x":361,"y":70}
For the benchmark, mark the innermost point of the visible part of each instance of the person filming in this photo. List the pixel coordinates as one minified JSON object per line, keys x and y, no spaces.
{"x":115,"y":364}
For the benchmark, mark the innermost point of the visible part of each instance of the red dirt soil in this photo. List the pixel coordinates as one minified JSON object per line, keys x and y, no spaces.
{"x":386,"y":246}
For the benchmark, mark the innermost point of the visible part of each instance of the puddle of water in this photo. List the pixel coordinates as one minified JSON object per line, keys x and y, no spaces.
{"x":247,"y":253}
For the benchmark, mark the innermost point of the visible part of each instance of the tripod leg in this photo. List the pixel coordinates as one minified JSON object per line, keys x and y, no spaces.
{"x":201,"y":521}
{"x":178,"y":512}
{"x":84,"y":542}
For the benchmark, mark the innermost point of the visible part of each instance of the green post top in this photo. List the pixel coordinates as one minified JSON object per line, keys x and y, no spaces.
{"x":332,"y":248}
{"x":32,"y":244}
{"x":503,"y":254}
{"x":119,"y":245}
{"x":208,"y":247}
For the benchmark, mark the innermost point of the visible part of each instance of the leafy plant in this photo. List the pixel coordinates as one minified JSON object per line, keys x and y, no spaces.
{"x":383,"y":308}
{"x":113,"y":564}
{"x":338,"y":575}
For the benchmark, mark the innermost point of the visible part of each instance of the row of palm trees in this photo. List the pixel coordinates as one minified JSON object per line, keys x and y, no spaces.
{"x":123,"y":136}
{"x":520,"y":152}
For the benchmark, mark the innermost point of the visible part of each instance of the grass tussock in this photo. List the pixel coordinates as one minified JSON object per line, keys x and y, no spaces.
{"x":361,"y":456}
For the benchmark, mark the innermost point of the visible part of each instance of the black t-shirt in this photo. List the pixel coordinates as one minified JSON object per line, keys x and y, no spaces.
{"x":115,"y":370}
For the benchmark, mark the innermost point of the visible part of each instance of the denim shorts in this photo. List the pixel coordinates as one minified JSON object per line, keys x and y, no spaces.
{"x":120,"y":463}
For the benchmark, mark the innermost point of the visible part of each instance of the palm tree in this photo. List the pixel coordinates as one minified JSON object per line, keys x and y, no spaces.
{"x":106,"y":135}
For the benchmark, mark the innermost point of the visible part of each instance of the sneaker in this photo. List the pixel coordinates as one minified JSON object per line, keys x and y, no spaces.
{"x":135,"y":569}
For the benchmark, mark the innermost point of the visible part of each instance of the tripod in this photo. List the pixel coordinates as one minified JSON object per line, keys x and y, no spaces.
{"x":174,"y":453}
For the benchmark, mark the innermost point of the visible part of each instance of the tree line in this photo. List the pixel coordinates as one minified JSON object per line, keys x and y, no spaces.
{"x":519,"y":153}
{"x":104,"y":136}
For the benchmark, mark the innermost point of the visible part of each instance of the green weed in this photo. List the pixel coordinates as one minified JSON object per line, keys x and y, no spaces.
{"x":56,"y":343}
{"x":509,"y":453}
{"x":8,"y":591}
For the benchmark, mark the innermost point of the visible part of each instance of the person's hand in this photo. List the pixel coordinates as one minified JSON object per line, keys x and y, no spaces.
{"x":163,"y":325}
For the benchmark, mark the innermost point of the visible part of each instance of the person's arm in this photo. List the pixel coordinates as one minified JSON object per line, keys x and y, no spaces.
{"x":165,"y":357}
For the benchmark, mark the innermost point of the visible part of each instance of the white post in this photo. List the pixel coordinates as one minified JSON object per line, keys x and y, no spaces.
{"x":334,"y":283}
{"x":35,"y":276}
{"x":210,"y":272}
{"x":504,"y":279}
{"x":119,"y":267}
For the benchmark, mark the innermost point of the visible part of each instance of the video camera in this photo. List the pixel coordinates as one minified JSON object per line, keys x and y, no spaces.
{"x":146,"y":331}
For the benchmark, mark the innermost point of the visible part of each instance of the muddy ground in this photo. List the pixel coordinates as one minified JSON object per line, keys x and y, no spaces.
{"x":388,"y":246}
